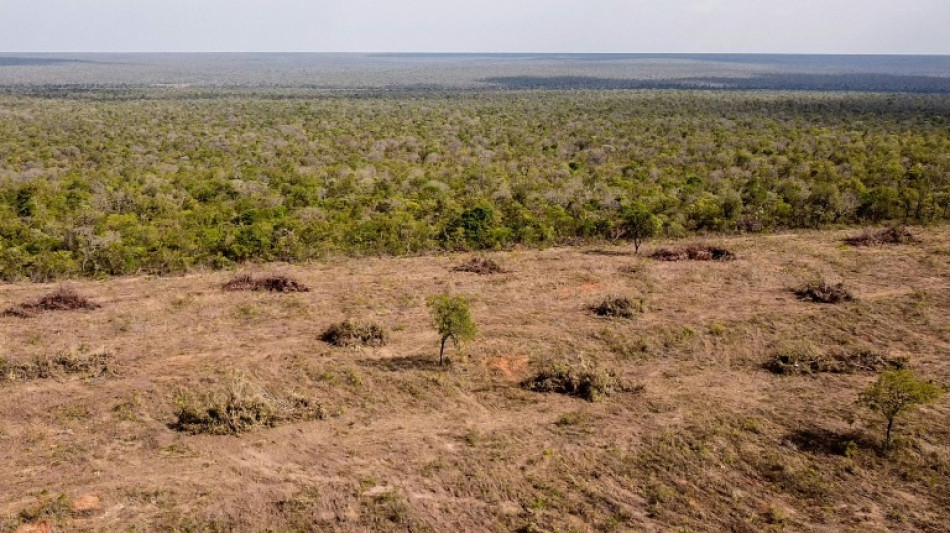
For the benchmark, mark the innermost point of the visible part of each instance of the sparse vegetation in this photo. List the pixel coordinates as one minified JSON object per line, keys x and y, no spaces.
{"x":821,"y":291}
{"x":895,"y":392}
{"x":64,"y":364}
{"x":452,"y":320}
{"x":270,"y":283}
{"x":352,"y":332}
{"x":63,"y":299}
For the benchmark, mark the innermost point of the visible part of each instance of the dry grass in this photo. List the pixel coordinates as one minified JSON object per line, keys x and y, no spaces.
{"x":617,"y":307}
{"x":386,"y":439}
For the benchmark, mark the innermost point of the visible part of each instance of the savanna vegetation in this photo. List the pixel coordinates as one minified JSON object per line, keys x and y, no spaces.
{"x":162,"y":181}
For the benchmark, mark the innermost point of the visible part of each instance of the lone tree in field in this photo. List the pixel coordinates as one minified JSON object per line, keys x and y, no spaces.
{"x":897,"y":391}
{"x":639,"y":224}
{"x":451,"y":317}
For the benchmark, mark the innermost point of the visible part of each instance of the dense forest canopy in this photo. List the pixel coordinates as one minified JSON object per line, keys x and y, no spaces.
{"x":161,"y":180}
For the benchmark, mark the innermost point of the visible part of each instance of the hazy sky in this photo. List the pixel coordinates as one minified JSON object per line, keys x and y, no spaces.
{"x":803,"y":26}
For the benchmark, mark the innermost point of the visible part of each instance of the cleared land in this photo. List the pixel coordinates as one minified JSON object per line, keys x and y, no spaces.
{"x":387,"y":440}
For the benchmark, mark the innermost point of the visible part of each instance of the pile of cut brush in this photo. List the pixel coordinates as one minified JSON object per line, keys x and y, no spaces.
{"x":270,"y":283}
{"x":694,"y":252}
{"x":892,"y":235}
{"x":480,"y":265}
{"x":63,"y":299}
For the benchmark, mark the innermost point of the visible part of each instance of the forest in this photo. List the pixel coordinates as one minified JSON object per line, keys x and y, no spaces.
{"x":163,"y":180}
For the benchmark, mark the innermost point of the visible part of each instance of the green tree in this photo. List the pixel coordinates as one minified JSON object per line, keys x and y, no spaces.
{"x":452,"y":319}
{"x":639,"y":224}
{"x":895,"y":392}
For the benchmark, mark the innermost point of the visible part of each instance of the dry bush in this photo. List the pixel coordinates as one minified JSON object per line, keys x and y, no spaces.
{"x":63,"y":299}
{"x":694,"y":252}
{"x":820,"y":291}
{"x":892,"y":235}
{"x":270,"y":283}
{"x":237,"y":407}
{"x":797,"y":359}
{"x":480,"y":265}
{"x":619,"y":307}
{"x":587,"y":384}
{"x":46,"y":367}
{"x":354,"y":333}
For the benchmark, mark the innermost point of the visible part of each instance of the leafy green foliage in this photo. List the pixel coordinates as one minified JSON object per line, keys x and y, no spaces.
{"x":109,"y":183}
{"x":896,"y":392}
{"x":452,"y":319}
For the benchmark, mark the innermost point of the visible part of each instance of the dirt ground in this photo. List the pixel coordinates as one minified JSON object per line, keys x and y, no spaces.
{"x":713,"y":441}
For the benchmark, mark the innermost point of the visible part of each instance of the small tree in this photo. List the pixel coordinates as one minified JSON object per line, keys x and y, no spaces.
{"x":639,"y":223}
{"x":897,"y":391}
{"x":452,"y":319}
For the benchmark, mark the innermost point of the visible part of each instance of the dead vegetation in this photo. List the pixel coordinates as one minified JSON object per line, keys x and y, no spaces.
{"x":694,"y":252}
{"x":823,"y":292}
{"x":352,"y":332}
{"x":269,"y":283}
{"x":239,"y":406}
{"x":891,"y":235}
{"x":58,"y":366}
{"x":63,"y":299}
{"x":480,"y":265}
{"x":588,"y":384}
{"x":804,"y":358}
{"x":617,"y":307}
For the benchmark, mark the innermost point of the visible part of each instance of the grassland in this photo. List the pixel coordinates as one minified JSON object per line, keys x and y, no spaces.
{"x":703,"y":438}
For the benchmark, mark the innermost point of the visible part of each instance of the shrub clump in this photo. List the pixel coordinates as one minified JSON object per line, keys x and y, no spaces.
{"x":46,"y":367}
{"x":619,"y":307}
{"x":694,"y":252}
{"x":589,"y":385}
{"x":892,"y":235}
{"x":63,"y":299}
{"x":480,"y":265}
{"x":798,"y":360}
{"x":354,"y":333}
{"x":239,"y":407}
{"x":246,"y":282}
{"x":820,"y":291}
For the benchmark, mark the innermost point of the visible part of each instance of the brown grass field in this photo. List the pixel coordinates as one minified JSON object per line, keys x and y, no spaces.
{"x":712,"y":442}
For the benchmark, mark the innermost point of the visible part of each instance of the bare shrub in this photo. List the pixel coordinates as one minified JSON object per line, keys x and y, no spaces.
{"x":820,"y":291}
{"x":480,"y":265}
{"x":354,"y":333}
{"x":619,"y":307}
{"x":589,"y":385}
{"x":270,"y":283}
{"x":891,"y":235}
{"x":63,"y":299}
{"x":694,"y":252}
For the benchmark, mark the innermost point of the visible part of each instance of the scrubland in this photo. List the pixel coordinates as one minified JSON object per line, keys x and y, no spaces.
{"x":722,"y":400}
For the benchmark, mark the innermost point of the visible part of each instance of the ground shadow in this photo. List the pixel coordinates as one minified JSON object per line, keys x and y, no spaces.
{"x":827,"y":442}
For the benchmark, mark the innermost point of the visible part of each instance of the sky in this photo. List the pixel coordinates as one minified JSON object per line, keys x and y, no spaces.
{"x":625,"y":26}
